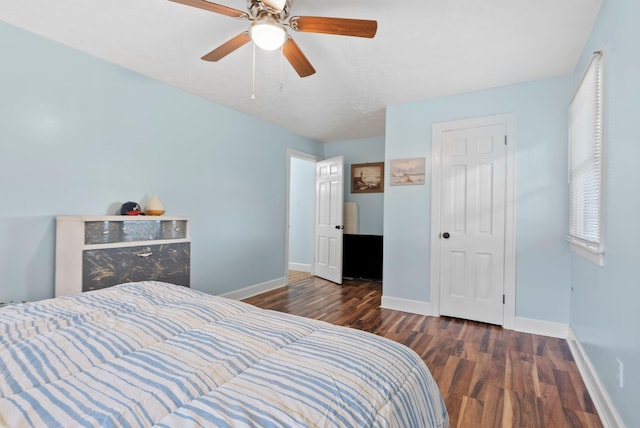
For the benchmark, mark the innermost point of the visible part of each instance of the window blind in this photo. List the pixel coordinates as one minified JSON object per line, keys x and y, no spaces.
{"x":585,"y":159}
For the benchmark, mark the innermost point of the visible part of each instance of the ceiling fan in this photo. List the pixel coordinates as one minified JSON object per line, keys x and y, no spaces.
{"x":269,"y":19}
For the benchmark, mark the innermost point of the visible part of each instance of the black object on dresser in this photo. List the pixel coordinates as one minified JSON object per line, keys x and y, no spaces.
{"x":362,"y":257}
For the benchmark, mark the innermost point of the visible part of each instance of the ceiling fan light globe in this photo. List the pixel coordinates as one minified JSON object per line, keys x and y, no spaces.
{"x":268,"y":36}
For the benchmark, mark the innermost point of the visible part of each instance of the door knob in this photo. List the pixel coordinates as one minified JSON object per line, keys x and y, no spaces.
{"x":338,"y":226}
{"x":446,"y":235}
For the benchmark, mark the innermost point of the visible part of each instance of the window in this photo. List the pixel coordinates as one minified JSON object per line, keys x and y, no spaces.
{"x":585,"y":164}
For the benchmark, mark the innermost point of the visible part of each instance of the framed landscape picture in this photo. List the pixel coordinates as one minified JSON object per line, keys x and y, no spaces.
{"x":405,"y":172}
{"x":367,"y":177}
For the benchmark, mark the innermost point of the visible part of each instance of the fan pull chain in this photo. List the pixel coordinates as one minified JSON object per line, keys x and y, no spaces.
{"x":281,"y":78}
{"x":253,"y":74}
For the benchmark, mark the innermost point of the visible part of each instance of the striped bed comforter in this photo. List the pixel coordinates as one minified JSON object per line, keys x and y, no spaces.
{"x":155,"y":354}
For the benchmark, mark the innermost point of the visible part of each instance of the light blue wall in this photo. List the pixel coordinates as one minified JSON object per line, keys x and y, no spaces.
{"x":302,"y":202}
{"x":541,"y":205}
{"x":605,"y":312}
{"x":370,"y":205}
{"x":78,"y":134}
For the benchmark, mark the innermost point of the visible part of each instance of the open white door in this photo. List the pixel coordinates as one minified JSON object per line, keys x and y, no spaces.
{"x":329,"y":226}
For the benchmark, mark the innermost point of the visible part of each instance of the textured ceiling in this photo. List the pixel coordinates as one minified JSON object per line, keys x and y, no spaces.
{"x":423,"y":49}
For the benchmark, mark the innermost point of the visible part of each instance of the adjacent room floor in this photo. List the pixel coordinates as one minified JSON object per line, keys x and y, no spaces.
{"x":489,"y":377}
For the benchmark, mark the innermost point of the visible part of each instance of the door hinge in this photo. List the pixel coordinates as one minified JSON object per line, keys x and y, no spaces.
{"x":503,"y":299}
{"x":505,"y":140}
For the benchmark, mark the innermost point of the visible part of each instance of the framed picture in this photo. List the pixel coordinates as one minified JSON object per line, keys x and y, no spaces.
{"x":367,"y":177}
{"x":405,"y":172}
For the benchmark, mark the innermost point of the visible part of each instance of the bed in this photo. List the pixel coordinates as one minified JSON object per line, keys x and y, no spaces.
{"x":156,"y":354}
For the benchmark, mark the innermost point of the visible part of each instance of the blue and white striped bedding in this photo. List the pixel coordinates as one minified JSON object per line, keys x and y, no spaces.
{"x":154,"y":354}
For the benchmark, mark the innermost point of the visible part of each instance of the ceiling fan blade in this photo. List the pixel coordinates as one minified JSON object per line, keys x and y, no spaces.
{"x":228,"y":47}
{"x":296,"y":58}
{"x":339,"y":26}
{"x":214,"y":7}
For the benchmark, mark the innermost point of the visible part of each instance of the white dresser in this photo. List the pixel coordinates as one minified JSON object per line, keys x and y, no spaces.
{"x":94,"y":252}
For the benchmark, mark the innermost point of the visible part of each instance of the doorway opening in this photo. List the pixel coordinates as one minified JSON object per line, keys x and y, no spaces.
{"x":299,"y":214}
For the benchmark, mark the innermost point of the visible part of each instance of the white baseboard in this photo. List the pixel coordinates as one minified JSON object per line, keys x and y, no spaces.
{"x":524,"y":325}
{"x":543,"y":328}
{"x":606,"y":410}
{"x":300,"y":267}
{"x":252,"y":290}
{"x":406,"y":305}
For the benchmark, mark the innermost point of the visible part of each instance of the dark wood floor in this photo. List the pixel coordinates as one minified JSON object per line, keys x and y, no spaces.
{"x":489,"y":377}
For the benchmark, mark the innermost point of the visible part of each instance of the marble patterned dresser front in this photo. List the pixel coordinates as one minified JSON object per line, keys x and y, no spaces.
{"x":107,"y":267}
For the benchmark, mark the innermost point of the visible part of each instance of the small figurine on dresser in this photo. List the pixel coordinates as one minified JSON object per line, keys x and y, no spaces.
{"x":154,"y":206}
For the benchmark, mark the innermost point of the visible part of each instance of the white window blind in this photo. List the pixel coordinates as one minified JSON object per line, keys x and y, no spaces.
{"x":585,"y":161}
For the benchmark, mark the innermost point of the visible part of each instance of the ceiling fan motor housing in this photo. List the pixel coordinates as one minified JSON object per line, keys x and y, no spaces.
{"x":276,"y":9}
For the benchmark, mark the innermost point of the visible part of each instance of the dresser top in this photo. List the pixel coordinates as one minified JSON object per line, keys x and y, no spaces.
{"x":120,"y":218}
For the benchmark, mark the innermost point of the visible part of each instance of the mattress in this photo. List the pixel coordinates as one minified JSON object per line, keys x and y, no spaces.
{"x":154,"y":354}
